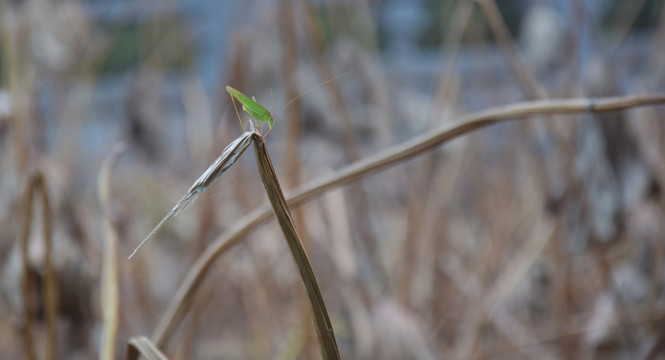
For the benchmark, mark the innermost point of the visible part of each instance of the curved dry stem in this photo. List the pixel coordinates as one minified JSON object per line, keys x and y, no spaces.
{"x":393,"y":155}
{"x":37,"y":182}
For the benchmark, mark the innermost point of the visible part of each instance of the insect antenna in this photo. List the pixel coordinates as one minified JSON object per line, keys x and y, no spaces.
{"x":314,"y":88}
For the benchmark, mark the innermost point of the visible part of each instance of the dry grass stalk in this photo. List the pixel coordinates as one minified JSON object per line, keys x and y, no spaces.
{"x":292,"y":116}
{"x":506,"y":282}
{"x":110,"y":262}
{"x":460,"y":18}
{"x":231,"y":153}
{"x":461,"y":126}
{"x":316,"y":42}
{"x":507,"y":46}
{"x":228,"y":157}
{"x":37,"y":182}
{"x":359,"y":208}
{"x":393,"y":155}
{"x":317,"y":307}
{"x":141,"y":345}
{"x":422,"y":176}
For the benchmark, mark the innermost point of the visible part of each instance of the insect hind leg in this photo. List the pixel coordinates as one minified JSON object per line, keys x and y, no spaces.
{"x":233,"y":101}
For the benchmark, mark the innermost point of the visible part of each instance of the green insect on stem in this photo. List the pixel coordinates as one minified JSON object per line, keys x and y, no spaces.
{"x":251,"y":107}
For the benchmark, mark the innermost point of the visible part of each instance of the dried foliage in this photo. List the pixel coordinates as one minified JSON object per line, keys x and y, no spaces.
{"x":437,"y":227}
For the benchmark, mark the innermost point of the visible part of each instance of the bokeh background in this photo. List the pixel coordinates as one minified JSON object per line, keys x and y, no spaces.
{"x":538,"y":239}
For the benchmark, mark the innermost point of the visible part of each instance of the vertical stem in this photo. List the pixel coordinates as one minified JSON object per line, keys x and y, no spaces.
{"x":50,"y":288}
{"x":289,"y":62}
{"x":359,"y":199}
{"x":318,"y":313}
{"x":26,"y":327}
{"x":37,"y":182}
{"x":109,"y":291}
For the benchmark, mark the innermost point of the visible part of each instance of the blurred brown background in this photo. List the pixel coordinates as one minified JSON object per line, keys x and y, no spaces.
{"x":538,"y":239}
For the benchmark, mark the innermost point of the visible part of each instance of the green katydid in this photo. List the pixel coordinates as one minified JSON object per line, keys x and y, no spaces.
{"x":251,"y":107}
{"x":228,"y":156}
{"x":258,"y":112}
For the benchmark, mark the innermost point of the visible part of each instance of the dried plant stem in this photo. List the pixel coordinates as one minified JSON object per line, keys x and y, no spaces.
{"x":423,"y":172}
{"x":465,"y":124}
{"x":110,"y":263}
{"x":37,"y":182}
{"x":289,"y":64}
{"x":141,"y":345}
{"x":359,"y":201}
{"x":228,"y":157}
{"x":316,"y":42}
{"x":393,"y":155}
{"x":318,"y":314}
{"x":317,"y":307}
{"x":26,"y":329}
{"x":500,"y":30}
{"x":460,"y":17}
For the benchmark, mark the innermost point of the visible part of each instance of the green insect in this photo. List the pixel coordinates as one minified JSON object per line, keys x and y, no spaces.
{"x":251,"y":107}
{"x":258,"y":112}
{"x":229,"y":155}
